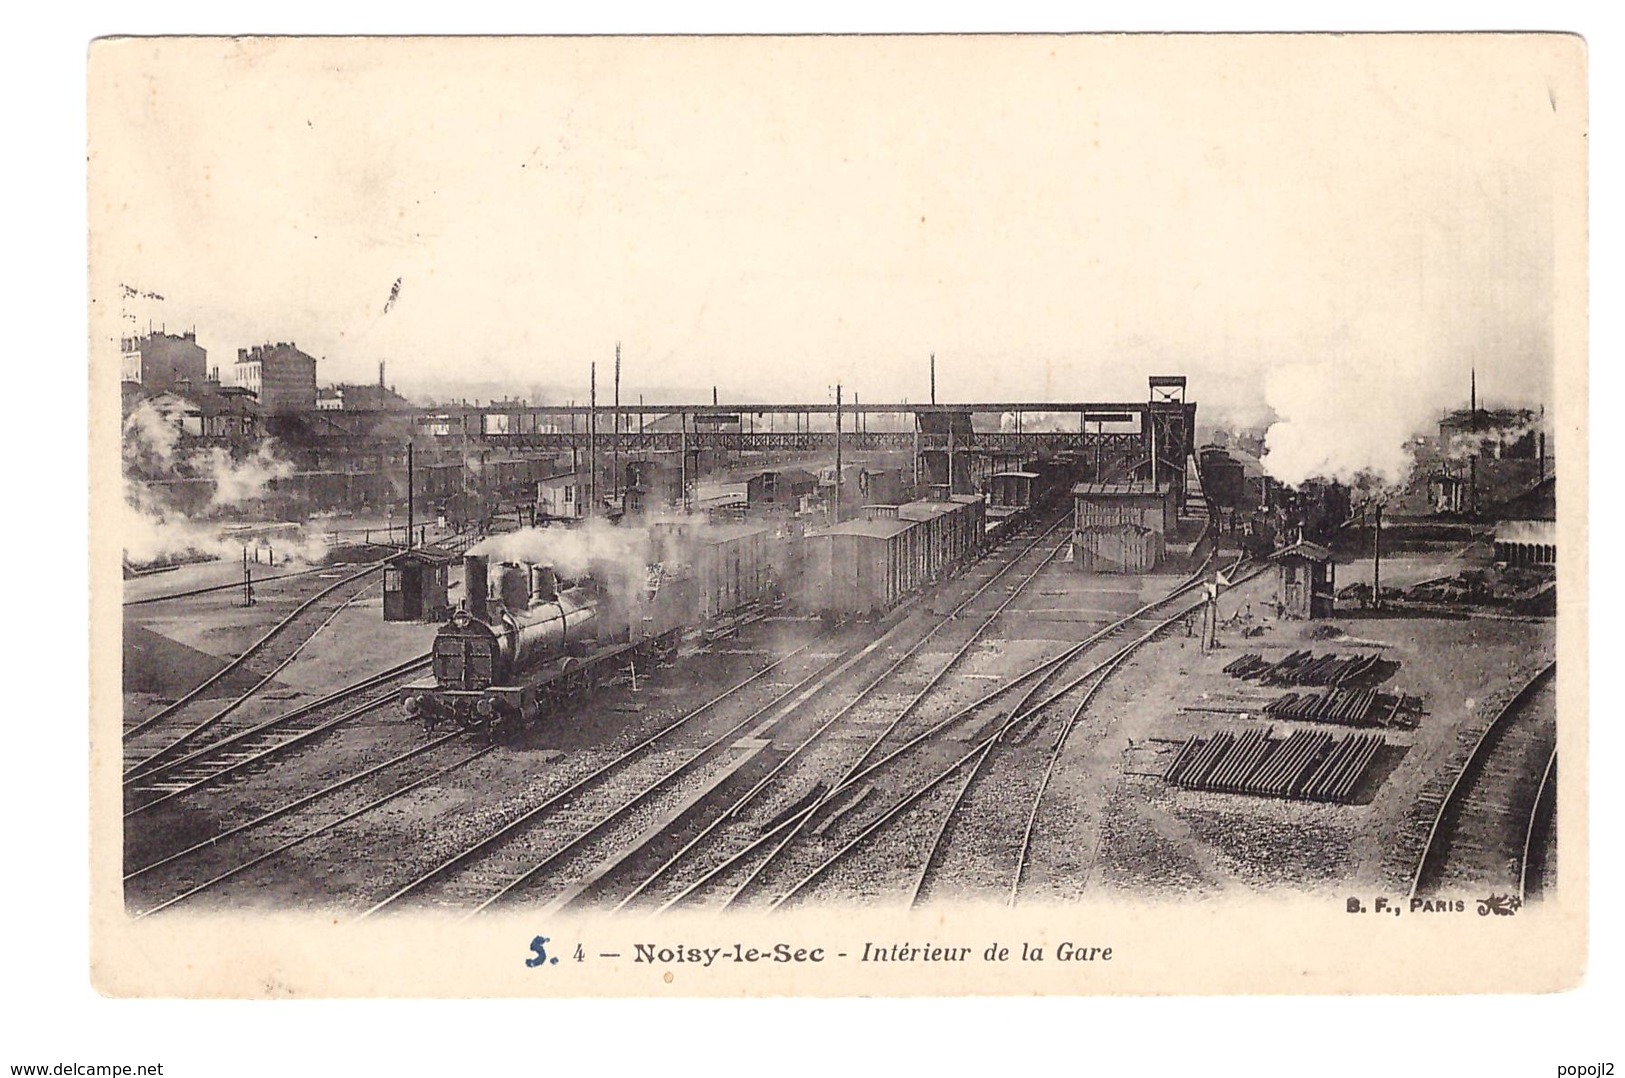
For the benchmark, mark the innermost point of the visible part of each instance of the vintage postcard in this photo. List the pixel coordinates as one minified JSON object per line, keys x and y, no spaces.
{"x":1051,"y":514}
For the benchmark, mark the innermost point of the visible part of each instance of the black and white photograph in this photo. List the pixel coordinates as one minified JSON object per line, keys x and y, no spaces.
{"x":782,"y":515}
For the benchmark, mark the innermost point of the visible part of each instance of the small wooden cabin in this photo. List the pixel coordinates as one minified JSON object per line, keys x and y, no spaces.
{"x":1307,"y":581}
{"x":415,"y":585}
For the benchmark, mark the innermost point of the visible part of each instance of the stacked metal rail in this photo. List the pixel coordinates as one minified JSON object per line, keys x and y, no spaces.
{"x":1306,"y":668}
{"x":1347,"y":707}
{"x":1306,"y":765}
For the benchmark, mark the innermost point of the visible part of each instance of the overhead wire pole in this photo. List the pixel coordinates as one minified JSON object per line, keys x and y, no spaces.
{"x":411,"y":496}
{"x":837,"y":514}
{"x":592,"y":441}
{"x":615,"y":440}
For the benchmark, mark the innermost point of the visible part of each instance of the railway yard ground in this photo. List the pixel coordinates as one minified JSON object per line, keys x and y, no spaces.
{"x":1108,"y":820}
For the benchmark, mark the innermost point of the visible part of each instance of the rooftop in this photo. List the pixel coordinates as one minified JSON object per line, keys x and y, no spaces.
{"x":1132,"y":488}
{"x":1303,"y":549}
{"x":874,"y":529}
{"x":722,"y":533}
{"x":1526,"y":531}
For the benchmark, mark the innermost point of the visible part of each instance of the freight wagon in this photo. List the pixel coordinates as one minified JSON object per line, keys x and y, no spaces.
{"x":864,"y":567}
{"x":730,"y":564}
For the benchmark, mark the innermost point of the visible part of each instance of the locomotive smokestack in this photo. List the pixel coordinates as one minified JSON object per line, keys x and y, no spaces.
{"x":512,"y":585}
{"x":544,"y":584}
{"x":475,"y":577}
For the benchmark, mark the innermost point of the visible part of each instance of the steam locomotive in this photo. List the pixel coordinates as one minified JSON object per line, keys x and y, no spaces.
{"x":526,"y":642}
{"x":1263,"y":513}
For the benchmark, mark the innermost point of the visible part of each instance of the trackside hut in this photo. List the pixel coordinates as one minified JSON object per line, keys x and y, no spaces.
{"x":415,"y":586}
{"x":1121,"y":527}
{"x":1306,"y":579}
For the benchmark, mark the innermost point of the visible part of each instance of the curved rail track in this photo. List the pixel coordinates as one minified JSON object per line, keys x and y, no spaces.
{"x":205,"y":865}
{"x":1485,"y":823}
{"x":1538,"y":869}
{"x":506,"y":858}
{"x":808,"y":791}
{"x":254,"y":745}
{"x":970,"y":848}
{"x":772,"y":861}
{"x":176,"y":726}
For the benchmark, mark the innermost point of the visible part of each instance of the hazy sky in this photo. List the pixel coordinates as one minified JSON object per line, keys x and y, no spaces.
{"x":1053,"y":217}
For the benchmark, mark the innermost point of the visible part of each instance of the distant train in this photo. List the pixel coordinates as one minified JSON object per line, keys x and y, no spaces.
{"x":1014,"y":496}
{"x":1264,"y":513}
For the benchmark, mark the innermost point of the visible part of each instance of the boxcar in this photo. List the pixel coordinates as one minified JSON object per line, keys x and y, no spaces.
{"x":864,"y":567}
{"x":952,"y":532}
{"x":732,"y":567}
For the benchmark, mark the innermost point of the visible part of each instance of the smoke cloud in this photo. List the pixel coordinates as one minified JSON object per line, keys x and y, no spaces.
{"x":1346,"y":419}
{"x":618,"y":556}
{"x":155,"y":529}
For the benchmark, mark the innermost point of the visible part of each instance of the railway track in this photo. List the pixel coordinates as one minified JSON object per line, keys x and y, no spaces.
{"x":1538,"y":871}
{"x":740,"y":858}
{"x":598,"y":802}
{"x":220,"y":859}
{"x":255,"y":744}
{"x":575,"y":838}
{"x":178,"y":727}
{"x":212,"y":862}
{"x":823,"y":747}
{"x":954,"y":830}
{"x":1486,"y":823}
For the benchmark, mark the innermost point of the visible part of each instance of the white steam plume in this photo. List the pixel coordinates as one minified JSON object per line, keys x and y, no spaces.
{"x":1346,"y":419}
{"x":616,"y":555}
{"x":154,"y":529}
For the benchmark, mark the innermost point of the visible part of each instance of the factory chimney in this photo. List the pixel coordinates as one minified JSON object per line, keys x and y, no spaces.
{"x":1542,"y":442}
{"x":1472,"y":462}
{"x":380,"y":374}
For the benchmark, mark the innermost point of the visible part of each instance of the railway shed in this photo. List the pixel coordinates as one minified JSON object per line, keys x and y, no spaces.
{"x":1121,"y":527}
{"x":415,"y":585}
{"x":780,"y":491}
{"x":1526,"y":542}
{"x":1306,"y":580}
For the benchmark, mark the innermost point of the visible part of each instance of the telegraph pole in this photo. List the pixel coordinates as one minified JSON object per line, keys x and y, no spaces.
{"x":615,"y":445}
{"x":592,"y":441}
{"x":411,"y":494}
{"x":837,"y":515}
{"x":1376,"y":562}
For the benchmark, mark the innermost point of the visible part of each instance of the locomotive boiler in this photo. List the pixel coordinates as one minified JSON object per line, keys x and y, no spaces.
{"x":489,"y":659}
